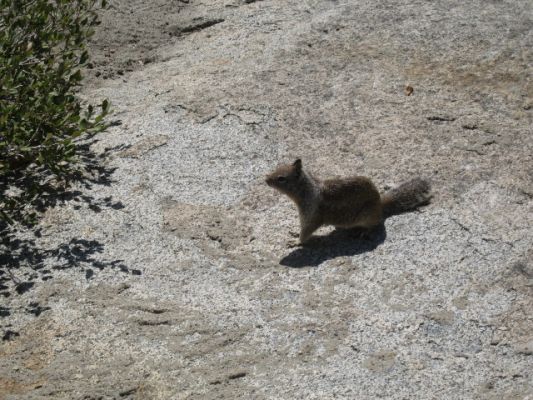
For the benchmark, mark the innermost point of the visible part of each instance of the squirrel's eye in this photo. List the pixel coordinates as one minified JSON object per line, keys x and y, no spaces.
{"x":281,"y":179}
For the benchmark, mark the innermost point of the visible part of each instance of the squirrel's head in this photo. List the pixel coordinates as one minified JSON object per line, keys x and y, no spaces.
{"x":285,"y":178}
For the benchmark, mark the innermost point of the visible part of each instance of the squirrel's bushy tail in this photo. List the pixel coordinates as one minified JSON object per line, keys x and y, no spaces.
{"x":406,"y":197}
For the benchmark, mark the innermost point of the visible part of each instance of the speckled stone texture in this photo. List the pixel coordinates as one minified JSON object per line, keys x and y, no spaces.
{"x":180,"y":277}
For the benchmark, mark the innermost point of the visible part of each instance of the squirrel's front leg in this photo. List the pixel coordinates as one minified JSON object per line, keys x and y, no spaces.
{"x":307,"y":228}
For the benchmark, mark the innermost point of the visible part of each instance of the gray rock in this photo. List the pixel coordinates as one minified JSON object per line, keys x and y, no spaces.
{"x":222,"y":304}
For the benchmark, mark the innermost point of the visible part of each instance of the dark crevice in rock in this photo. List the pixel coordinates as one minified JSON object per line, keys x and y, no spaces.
{"x":196,"y":25}
{"x":153,"y":310}
{"x":463,"y":227}
{"x":128,"y":392}
{"x":153,"y":323}
{"x":237,"y":375}
{"x":440,"y":118}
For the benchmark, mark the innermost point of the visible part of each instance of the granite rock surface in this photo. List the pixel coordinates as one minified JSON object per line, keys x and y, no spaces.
{"x":177,"y":276}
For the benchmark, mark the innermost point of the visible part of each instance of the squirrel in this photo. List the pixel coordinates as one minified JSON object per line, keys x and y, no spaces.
{"x":352,"y":202}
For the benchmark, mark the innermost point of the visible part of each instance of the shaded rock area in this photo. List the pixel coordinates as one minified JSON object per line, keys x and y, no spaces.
{"x":181,"y":278}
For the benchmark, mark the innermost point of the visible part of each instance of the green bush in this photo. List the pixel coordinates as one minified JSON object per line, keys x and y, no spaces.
{"x":42,"y":52}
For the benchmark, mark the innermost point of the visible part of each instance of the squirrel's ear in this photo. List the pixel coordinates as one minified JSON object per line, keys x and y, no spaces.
{"x":297,"y":164}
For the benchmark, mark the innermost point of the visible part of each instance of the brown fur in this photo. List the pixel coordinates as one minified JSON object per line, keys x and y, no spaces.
{"x":352,"y":202}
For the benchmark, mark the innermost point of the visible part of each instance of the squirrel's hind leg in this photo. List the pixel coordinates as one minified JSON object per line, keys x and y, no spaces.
{"x":369,"y":219}
{"x":364,"y":226}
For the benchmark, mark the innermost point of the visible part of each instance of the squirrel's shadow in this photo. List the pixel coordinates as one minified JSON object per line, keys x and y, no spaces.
{"x":340,"y":242}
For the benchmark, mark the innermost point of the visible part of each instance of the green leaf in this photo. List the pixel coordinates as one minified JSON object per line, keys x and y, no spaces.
{"x":76,"y":76}
{"x":105,"y":106}
{"x":42,"y":47}
{"x":84,"y":57}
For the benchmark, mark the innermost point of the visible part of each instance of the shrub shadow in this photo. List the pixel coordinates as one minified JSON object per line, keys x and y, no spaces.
{"x":40,"y":189}
{"x":23,"y":263}
{"x":28,"y":261}
{"x":338,"y":243}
